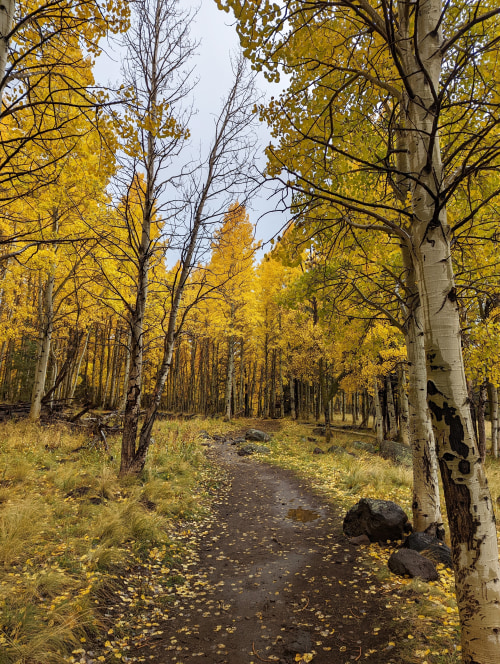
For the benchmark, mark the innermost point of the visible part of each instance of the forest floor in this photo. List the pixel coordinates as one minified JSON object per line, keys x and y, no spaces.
{"x":207,"y":556}
{"x":275,"y":580}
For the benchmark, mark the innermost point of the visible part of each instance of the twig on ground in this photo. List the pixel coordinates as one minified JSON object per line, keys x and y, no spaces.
{"x":254,"y":652}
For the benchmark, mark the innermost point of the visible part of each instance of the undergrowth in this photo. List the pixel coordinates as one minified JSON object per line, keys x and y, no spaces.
{"x":84,"y":554}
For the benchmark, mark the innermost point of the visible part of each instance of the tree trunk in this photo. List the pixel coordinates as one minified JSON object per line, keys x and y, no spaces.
{"x":469,"y":506}
{"x":379,"y":418}
{"x":493,"y":390}
{"x":392,"y":432}
{"x":292,"y":398}
{"x":7,"y":11}
{"x":481,"y":421}
{"x":229,"y":378}
{"x":426,"y":504}
{"x":46,"y":327}
{"x":78,"y":366}
{"x":404,"y":416}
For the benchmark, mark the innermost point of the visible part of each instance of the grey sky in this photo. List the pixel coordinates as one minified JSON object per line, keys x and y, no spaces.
{"x":217,"y":40}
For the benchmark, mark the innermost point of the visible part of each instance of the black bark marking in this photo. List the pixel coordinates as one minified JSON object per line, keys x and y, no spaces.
{"x":432,"y":390}
{"x":448,"y":456}
{"x":463,"y":528}
{"x":464,"y":467}
{"x":454,"y":422}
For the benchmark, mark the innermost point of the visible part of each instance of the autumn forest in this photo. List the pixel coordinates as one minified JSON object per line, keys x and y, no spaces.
{"x":162,"y":354}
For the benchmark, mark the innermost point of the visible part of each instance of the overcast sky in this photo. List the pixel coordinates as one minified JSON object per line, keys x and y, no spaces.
{"x":217,"y":39}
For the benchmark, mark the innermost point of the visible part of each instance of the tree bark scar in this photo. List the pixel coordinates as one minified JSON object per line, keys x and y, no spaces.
{"x":463,"y":528}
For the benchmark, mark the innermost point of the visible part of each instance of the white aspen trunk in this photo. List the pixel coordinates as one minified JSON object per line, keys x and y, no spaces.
{"x":392,"y":434}
{"x":481,"y":420}
{"x":229,"y":378}
{"x":426,"y":504}
{"x":292,"y":399}
{"x":127,"y":371}
{"x":46,"y":326}
{"x":79,"y":365}
{"x":115,"y":369}
{"x":379,"y":418}
{"x":7,"y":9}
{"x":404,"y":415}
{"x":281,"y":389}
{"x":494,"y":419}
{"x":469,"y":506}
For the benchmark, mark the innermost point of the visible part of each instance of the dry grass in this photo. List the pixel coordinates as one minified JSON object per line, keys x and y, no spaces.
{"x":69,"y":529}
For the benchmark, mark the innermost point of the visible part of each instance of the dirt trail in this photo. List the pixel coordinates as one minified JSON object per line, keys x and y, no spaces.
{"x":275,"y":579}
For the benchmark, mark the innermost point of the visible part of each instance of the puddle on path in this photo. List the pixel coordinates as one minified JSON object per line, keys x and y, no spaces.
{"x":300,"y":514}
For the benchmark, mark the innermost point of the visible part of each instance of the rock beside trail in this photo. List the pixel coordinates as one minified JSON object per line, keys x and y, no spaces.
{"x":408,"y":562}
{"x":334,"y":449}
{"x":361,"y":445}
{"x":257,"y":435}
{"x":318,"y":450}
{"x":430,"y":547}
{"x":360,"y":539}
{"x":380,"y":520}
{"x":252,"y":448}
{"x":391,"y":449}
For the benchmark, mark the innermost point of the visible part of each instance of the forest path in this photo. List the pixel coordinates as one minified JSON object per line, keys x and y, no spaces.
{"x":275,"y":580}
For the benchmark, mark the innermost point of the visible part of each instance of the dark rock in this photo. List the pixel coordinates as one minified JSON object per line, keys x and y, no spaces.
{"x":334,"y":449}
{"x":299,"y":643}
{"x":391,"y":449}
{"x":252,"y":448}
{"x":257,"y":435}
{"x":318,"y":450}
{"x":408,"y":562}
{"x":360,"y":539}
{"x":361,"y":445}
{"x":310,"y":439}
{"x":430,"y":547}
{"x":380,"y":520}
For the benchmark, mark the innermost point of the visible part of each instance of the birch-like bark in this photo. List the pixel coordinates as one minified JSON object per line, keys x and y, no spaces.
{"x":7,"y":10}
{"x":493,"y":391}
{"x":379,"y":418}
{"x":229,"y":378}
{"x":481,"y":419}
{"x":470,"y":510}
{"x":426,"y":504}
{"x":46,"y":327}
{"x":292,"y":398}
{"x":79,"y":365}
{"x":392,"y":433}
{"x":404,"y":415}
